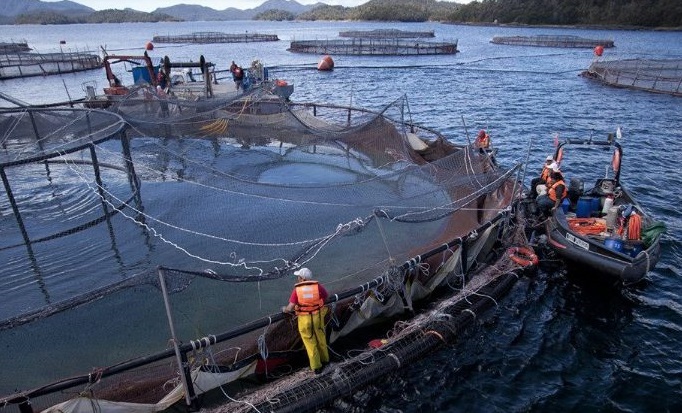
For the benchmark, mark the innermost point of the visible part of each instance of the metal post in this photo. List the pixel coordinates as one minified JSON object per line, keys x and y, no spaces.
{"x":98,"y":179}
{"x":15,"y":207}
{"x":463,"y":256}
{"x":183,"y":369}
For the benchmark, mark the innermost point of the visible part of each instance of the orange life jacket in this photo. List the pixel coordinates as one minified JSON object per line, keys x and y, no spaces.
{"x":551,"y":193}
{"x":544,"y":175}
{"x":309,"y":299}
{"x":483,"y":141}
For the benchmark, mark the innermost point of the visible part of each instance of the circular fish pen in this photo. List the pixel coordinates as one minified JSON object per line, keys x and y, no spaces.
{"x":17,"y":64}
{"x":386,"y":34}
{"x":652,"y":75}
{"x":215,"y":37}
{"x":552,"y":41}
{"x":374,"y":47}
{"x":226,"y":204}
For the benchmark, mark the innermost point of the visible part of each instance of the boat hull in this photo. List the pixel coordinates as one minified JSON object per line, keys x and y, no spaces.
{"x":612,"y":265}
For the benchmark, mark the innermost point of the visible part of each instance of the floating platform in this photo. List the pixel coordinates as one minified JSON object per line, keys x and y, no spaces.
{"x":552,"y":41}
{"x":386,"y":34}
{"x":216,"y":37}
{"x":15,"y":65}
{"x":387,"y":47}
{"x":659,"y":75}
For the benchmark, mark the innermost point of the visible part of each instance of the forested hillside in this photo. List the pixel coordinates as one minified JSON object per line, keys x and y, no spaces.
{"x":646,"y":13}
{"x":637,"y":13}
{"x":607,"y":13}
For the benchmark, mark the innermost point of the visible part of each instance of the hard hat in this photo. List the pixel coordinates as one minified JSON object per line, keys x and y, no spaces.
{"x":304,"y":273}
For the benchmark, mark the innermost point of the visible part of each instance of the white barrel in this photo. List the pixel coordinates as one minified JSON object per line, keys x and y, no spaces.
{"x":612,"y":217}
{"x":608,"y":203}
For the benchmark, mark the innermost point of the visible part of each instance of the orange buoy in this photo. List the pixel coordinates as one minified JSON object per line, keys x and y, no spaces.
{"x":378,"y":342}
{"x":149,"y":46}
{"x":599,"y":50}
{"x":326,"y":63}
{"x":523,"y":256}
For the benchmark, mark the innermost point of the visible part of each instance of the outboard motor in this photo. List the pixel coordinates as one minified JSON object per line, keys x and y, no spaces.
{"x":575,"y":190}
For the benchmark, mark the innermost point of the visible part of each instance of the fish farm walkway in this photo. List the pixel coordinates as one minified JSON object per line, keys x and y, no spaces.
{"x":216,"y":37}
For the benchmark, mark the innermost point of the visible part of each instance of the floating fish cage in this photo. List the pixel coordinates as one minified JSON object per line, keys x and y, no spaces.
{"x":378,"y":46}
{"x":216,"y":37}
{"x":14,"y":65}
{"x":552,"y":41}
{"x":14,"y":47}
{"x":193,"y":233}
{"x":653,"y":75}
{"x":386,"y":34}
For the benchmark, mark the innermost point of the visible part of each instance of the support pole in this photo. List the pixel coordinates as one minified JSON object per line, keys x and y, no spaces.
{"x":15,"y":207}
{"x":182,"y":366}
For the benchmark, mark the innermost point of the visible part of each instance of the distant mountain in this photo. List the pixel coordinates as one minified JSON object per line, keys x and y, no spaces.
{"x":191,"y":12}
{"x":12,"y":8}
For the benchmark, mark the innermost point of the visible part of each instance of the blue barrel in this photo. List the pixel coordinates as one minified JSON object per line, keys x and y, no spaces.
{"x":596,"y":204}
{"x":565,"y":204}
{"x":614,"y":244}
{"x":584,"y":207}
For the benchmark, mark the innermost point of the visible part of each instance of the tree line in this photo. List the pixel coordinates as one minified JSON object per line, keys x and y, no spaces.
{"x":103,"y":16}
{"x":633,"y":13}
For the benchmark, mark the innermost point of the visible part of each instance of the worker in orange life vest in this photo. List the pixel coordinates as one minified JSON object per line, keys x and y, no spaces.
{"x":482,"y":141}
{"x":556,"y":192}
{"x":542,"y":179}
{"x":307,"y":299}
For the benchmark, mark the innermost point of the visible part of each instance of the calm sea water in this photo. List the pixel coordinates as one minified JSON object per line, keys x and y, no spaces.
{"x":550,"y":344}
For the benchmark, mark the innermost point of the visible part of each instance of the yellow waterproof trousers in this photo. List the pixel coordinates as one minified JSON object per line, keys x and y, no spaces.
{"x":311,"y":328}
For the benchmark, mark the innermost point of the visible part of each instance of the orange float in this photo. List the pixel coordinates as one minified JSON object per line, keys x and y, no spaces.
{"x":149,"y":46}
{"x":523,"y":256}
{"x":599,"y":50}
{"x":587,"y":226}
{"x":326,"y":63}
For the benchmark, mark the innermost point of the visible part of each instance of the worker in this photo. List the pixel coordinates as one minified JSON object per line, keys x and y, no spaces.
{"x":542,"y":179}
{"x":238,"y":77}
{"x":116,"y":82}
{"x":482,"y":141}
{"x":307,"y":299}
{"x":556,"y":192}
{"x":162,"y":80}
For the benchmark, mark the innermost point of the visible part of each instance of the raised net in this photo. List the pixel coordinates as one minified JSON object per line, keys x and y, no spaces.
{"x":653,"y":75}
{"x":245,"y":194}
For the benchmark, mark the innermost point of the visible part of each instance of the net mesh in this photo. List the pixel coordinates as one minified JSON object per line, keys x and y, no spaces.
{"x":227,"y":202}
{"x":654,"y":75}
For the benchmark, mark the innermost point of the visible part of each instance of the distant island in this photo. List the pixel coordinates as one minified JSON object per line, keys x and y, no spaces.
{"x":663,"y":14}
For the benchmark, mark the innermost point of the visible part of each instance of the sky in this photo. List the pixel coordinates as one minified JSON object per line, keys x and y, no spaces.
{"x":151,"y":5}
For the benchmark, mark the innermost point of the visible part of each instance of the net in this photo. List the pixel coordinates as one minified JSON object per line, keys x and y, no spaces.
{"x":220,"y":206}
{"x":653,"y":75}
